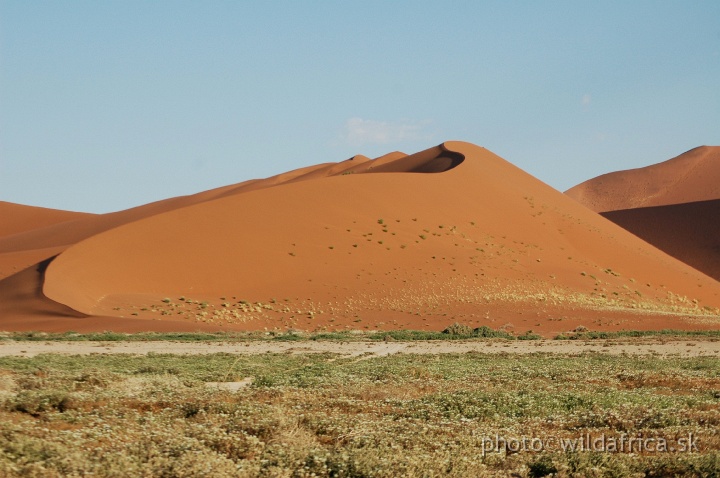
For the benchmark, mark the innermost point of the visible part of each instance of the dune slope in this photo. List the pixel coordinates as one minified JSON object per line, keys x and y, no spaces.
{"x":692,"y":176}
{"x":31,"y":235}
{"x":18,"y":218}
{"x":673,"y":205}
{"x":451,"y":233}
{"x":690,"y":231}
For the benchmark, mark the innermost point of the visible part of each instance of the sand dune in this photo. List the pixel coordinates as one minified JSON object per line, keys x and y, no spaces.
{"x":32,"y":235}
{"x":18,"y":218}
{"x":673,"y":205}
{"x":19,"y":221}
{"x":689,"y":231}
{"x":24,"y":307}
{"x":453,"y":233}
{"x":692,"y":176}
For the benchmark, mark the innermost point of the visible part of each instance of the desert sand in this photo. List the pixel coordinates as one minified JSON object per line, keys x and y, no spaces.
{"x":689,"y":232}
{"x":450,"y":234}
{"x":673,"y":205}
{"x":364,"y":350}
{"x":692,"y":176}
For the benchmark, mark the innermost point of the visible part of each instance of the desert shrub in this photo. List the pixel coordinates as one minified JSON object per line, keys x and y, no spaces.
{"x":542,"y":466}
{"x":458,"y":329}
{"x":487,"y":332}
{"x":529,"y":335}
{"x":93,"y":378}
{"x":37,"y":402}
{"x":408,"y":335}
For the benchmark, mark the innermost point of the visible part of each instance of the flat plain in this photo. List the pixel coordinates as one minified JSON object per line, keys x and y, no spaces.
{"x":617,"y":407}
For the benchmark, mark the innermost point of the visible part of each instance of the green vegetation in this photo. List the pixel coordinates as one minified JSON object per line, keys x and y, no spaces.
{"x":399,"y":415}
{"x":452,"y":332}
{"x":458,"y":329}
{"x":591,"y":335}
{"x":529,"y":335}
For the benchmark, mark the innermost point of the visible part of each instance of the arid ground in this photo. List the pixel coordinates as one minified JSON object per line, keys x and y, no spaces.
{"x":622,"y":407}
{"x":655,"y":346}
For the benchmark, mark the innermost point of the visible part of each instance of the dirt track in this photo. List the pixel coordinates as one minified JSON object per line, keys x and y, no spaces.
{"x":661,"y":347}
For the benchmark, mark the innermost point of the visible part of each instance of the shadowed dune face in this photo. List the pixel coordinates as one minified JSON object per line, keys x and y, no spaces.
{"x":689,"y":232}
{"x":430,"y":161}
{"x":673,"y":205}
{"x":21,"y":295}
{"x":19,"y":223}
{"x":479,"y":241}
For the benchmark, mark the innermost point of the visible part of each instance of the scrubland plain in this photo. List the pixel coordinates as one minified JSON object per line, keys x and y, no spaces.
{"x":325,"y":414}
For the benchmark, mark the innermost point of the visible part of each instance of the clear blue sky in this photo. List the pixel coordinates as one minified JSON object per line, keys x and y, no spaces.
{"x":106,"y":105}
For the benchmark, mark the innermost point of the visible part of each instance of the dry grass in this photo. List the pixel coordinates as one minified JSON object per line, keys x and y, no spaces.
{"x":322,"y":415}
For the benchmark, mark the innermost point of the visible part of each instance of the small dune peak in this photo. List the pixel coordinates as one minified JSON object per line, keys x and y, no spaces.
{"x":434,"y":160}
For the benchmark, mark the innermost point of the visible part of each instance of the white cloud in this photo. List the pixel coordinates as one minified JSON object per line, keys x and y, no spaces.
{"x":586,"y":99}
{"x":358,"y":131}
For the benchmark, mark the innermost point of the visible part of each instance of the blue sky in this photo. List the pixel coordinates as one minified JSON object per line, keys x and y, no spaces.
{"x":106,"y":105}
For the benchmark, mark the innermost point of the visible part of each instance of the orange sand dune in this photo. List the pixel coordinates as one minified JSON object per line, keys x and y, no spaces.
{"x":17,"y":218}
{"x":21,"y":297}
{"x":24,"y":307}
{"x":673,"y":205}
{"x":689,"y":231}
{"x":453,"y":233}
{"x":14,"y":262}
{"x":17,"y":222}
{"x":33,"y":235}
{"x":692,"y":176}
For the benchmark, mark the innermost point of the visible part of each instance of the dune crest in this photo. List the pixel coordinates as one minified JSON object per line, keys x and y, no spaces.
{"x":471,"y":239}
{"x":689,"y":177}
{"x":18,"y":218}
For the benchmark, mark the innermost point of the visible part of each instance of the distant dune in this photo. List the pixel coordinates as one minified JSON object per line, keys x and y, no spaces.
{"x":689,"y":232}
{"x":692,"y":176}
{"x":18,"y":218}
{"x":452,"y":233}
{"x":674,"y":205}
